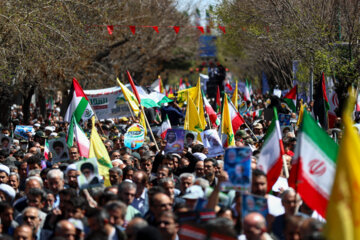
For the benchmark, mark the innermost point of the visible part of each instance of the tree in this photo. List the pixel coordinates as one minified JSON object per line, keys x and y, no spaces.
{"x":44,"y":44}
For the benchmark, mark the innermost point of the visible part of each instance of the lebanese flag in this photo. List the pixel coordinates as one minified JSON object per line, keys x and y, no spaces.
{"x":78,"y":104}
{"x":290,"y":98}
{"x":164,"y":127}
{"x":270,"y":159}
{"x":236,"y":119}
{"x":247,"y":92}
{"x":46,"y":150}
{"x":314,"y":165}
{"x":210,"y":111}
{"x":82,"y":142}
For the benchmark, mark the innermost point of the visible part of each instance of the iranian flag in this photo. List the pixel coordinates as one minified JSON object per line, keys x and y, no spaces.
{"x":357,"y":109}
{"x":290,"y":99}
{"x":247,"y":92}
{"x":79,"y":105}
{"x":257,"y":113}
{"x":182,"y":85}
{"x":210,"y":111}
{"x":270,"y":159}
{"x":164,"y":127}
{"x":46,"y":150}
{"x":236,"y":119}
{"x":314,"y":165}
{"x":82,"y":142}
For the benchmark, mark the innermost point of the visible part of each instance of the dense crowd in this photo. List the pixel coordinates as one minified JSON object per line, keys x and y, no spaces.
{"x":153,"y":195}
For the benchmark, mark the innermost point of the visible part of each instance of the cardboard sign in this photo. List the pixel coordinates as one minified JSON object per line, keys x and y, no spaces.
{"x":21,"y":131}
{"x":174,"y":141}
{"x":59,"y":150}
{"x":251,"y":203}
{"x":212,"y":142}
{"x":134,"y":137}
{"x":238,"y":166}
{"x":89,"y":176}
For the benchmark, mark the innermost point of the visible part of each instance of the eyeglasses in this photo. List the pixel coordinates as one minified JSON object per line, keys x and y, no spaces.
{"x":29,"y":217}
{"x":164,"y":205}
{"x":163,"y":222}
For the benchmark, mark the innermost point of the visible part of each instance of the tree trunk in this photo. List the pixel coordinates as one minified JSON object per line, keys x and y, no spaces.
{"x":26,"y":105}
{"x":6,"y":101}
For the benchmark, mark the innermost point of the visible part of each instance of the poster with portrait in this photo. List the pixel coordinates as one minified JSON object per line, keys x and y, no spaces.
{"x":59,"y":150}
{"x":253,"y":203}
{"x":286,"y":129}
{"x":174,"y":140}
{"x":5,"y":142}
{"x":190,"y":137}
{"x":89,"y":174}
{"x":237,"y":164}
{"x":212,"y":142}
{"x":21,"y":131}
{"x":284,"y":119}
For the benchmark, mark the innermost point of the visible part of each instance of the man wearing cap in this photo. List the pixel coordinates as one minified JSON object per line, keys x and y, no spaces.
{"x":258,"y":130}
{"x":4,"y":174}
{"x":192,"y":194}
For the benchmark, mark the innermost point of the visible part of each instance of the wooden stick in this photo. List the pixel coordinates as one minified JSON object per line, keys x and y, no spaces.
{"x":147,"y":123}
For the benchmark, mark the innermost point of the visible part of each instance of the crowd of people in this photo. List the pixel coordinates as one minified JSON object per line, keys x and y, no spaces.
{"x":152,"y":195}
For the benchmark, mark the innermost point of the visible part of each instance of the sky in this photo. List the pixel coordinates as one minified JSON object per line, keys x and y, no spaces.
{"x":191,"y":5}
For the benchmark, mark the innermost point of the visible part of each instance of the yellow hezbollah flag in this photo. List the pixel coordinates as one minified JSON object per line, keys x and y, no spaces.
{"x":98,"y":151}
{"x":226,"y":126}
{"x":343,"y":211}
{"x":199,"y":103}
{"x":143,"y":122}
{"x":301,"y":112}
{"x":192,"y":119}
{"x":183,"y":94}
{"x":235,"y":97}
{"x":130,"y":98}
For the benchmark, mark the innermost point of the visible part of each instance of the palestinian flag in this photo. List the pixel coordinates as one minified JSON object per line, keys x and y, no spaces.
{"x":290,"y":99}
{"x":79,"y":105}
{"x":164,"y":127}
{"x":314,"y":165}
{"x":82,"y":142}
{"x":270,"y":159}
{"x":210,"y":111}
{"x":321,"y":104}
{"x":152,"y":99}
{"x":46,"y":150}
{"x":247,"y":92}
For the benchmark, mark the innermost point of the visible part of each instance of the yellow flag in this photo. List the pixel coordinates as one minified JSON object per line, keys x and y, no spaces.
{"x":183,"y":94}
{"x":235,"y":97}
{"x":98,"y":151}
{"x":192,"y":119}
{"x":343,"y":211}
{"x":143,"y":122}
{"x":301,"y":112}
{"x":199,"y":103}
{"x":130,"y":98}
{"x":226,"y":126}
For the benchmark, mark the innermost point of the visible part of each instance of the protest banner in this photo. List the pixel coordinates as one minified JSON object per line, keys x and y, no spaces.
{"x":212,"y":142}
{"x":237,"y":164}
{"x":253,"y":203}
{"x":89,"y":176}
{"x":59,"y":150}
{"x":134,"y":137}
{"x":174,"y":141}
{"x":21,"y":131}
{"x":108,"y":103}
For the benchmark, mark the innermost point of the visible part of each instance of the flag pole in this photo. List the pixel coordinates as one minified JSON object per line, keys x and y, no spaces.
{"x":148,"y":125}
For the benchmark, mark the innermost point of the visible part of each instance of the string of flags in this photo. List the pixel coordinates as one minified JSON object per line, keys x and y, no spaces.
{"x":110,"y":28}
